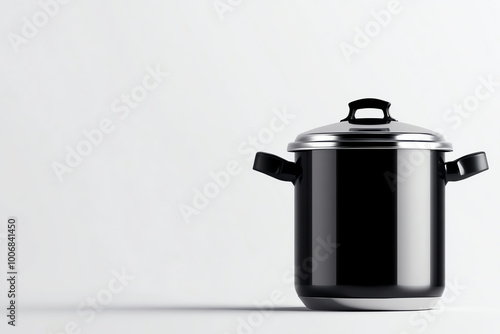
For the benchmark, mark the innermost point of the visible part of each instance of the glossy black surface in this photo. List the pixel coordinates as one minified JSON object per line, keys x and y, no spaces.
{"x":367,"y":225}
{"x":369,"y":103}
{"x":466,"y":166}
{"x":276,"y":167}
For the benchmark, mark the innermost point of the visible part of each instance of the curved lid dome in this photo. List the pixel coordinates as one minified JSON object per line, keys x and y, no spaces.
{"x":373,"y":133}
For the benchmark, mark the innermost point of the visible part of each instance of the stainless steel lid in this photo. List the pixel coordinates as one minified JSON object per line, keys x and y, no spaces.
{"x":373,"y":133}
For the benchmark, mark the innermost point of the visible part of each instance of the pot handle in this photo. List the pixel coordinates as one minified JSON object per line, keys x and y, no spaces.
{"x":369,"y":103}
{"x":466,"y":166}
{"x":276,"y":167}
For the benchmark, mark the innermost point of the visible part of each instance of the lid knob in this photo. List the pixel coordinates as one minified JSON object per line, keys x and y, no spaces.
{"x":369,"y":103}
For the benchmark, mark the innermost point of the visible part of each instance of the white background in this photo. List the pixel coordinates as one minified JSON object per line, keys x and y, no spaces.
{"x":229,"y":73}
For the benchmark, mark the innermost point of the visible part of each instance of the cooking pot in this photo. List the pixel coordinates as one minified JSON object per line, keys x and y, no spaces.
{"x":369,"y":211}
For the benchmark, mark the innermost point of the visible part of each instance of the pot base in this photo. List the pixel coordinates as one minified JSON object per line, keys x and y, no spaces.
{"x":369,"y":304}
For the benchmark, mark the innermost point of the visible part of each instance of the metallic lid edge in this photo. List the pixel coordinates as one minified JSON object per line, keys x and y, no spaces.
{"x":407,"y":145}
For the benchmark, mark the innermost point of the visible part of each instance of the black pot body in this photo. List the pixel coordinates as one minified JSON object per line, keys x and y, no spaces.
{"x":369,"y":223}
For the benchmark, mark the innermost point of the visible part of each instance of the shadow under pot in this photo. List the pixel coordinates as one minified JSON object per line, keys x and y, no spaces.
{"x":369,"y":211}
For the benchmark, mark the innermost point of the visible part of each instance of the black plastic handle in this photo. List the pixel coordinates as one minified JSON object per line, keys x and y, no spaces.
{"x":369,"y":103}
{"x":466,"y":166}
{"x":276,"y":167}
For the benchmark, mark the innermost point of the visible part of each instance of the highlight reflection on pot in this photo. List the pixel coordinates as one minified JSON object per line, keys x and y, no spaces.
{"x":374,"y":188}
